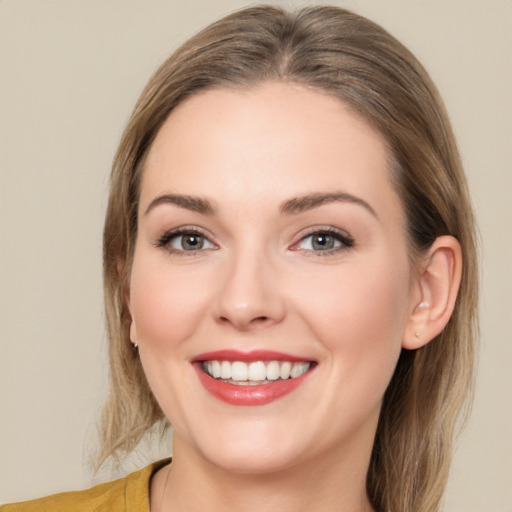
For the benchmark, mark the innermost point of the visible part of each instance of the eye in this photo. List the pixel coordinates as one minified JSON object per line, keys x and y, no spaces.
{"x":182,"y":241}
{"x":326,"y":240}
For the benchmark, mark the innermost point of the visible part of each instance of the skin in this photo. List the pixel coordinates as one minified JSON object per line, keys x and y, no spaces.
{"x":258,"y":284}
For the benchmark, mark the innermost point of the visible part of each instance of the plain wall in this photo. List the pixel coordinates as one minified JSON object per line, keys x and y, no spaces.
{"x":71,"y":71}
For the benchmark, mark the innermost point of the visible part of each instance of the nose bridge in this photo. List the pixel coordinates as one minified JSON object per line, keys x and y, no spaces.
{"x":249,"y":294}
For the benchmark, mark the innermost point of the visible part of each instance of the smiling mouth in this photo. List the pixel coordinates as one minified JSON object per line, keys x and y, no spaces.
{"x":253,"y":378}
{"x":255,"y":373}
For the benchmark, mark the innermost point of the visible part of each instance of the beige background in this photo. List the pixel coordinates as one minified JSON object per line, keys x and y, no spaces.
{"x":70,"y":72}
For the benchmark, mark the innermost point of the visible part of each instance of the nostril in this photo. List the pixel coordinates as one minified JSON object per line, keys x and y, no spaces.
{"x":260,"y":319}
{"x":244,"y":323}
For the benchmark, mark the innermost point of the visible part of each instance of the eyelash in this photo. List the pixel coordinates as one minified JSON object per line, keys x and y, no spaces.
{"x":166,"y":239}
{"x":345,"y":241}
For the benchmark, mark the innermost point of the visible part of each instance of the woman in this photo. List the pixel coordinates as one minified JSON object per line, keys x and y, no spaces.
{"x":290,"y":275}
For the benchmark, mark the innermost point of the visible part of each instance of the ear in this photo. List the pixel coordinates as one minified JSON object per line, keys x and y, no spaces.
{"x":434,"y":292}
{"x":125,"y":279}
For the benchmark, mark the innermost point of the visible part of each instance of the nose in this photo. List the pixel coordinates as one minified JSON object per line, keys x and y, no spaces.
{"x":250,"y":296}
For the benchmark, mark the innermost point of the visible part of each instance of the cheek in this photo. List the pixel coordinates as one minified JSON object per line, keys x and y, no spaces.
{"x":363,"y":298}
{"x":166,"y":303}
{"x":359,"y":316}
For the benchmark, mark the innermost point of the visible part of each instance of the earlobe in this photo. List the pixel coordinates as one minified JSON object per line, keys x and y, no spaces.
{"x":437,"y":286}
{"x":124,"y":278}
{"x":133,"y":328}
{"x":133,"y":334}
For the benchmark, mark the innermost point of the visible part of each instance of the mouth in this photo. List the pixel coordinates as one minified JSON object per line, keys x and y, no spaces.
{"x":240,"y":373}
{"x":255,"y":378}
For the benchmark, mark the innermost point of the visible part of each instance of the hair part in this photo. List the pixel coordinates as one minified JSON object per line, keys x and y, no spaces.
{"x":351,"y":58}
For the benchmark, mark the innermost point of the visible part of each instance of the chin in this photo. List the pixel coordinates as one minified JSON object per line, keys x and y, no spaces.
{"x":251,"y":462}
{"x":250,"y":452}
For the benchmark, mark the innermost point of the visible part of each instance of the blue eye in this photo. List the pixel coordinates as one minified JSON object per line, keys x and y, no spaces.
{"x":324,"y":241}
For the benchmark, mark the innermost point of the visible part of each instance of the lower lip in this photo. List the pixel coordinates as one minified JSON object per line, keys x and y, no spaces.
{"x":249,"y":395}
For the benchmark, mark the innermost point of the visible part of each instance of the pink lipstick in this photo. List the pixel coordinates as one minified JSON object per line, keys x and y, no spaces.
{"x":251,"y":378}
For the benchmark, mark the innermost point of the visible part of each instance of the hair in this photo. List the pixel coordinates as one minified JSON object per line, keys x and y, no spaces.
{"x":342,"y":54}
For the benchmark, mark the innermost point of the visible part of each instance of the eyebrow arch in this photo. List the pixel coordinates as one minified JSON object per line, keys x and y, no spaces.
{"x":301,"y":204}
{"x":196,"y":204}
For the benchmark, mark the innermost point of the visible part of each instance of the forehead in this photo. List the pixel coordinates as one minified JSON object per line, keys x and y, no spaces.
{"x":272,"y":140}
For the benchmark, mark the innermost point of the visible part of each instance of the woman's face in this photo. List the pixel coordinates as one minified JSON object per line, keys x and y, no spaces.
{"x":270,"y":241}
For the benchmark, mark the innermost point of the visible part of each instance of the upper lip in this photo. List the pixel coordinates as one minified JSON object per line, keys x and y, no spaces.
{"x":250,"y":356}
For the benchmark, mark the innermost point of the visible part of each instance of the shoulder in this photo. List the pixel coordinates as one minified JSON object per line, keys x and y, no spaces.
{"x":124,"y":495}
{"x":108,"y":496}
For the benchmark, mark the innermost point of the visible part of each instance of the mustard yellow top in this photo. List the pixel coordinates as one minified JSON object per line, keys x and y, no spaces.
{"x":128,"y":494}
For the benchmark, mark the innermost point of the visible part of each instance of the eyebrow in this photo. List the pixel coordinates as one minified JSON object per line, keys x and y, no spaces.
{"x":292,"y":206}
{"x":196,"y":204}
{"x":301,"y":204}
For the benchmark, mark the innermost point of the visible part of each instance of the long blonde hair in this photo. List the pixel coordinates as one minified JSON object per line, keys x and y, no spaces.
{"x":349,"y":57}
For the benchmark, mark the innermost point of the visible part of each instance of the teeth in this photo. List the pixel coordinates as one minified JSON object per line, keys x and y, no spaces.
{"x":273,"y":370}
{"x":239,"y":371}
{"x":225,"y":370}
{"x":215,"y":371}
{"x":285,"y":369}
{"x":255,"y":372}
{"x":299,"y":369}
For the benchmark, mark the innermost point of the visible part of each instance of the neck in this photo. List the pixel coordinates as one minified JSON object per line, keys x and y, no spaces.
{"x":336,"y":482}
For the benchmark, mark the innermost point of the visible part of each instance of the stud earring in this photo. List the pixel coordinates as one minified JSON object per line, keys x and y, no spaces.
{"x":135,"y":345}
{"x":417,"y":334}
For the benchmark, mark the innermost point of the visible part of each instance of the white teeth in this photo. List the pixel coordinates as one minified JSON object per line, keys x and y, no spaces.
{"x":284,"y":372}
{"x":225,"y":370}
{"x":273,"y":370}
{"x":239,"y":371}
{"x":215,"y":369}
{"x":299,"y":369}
{"x":256,"y":372}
